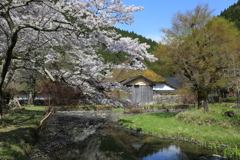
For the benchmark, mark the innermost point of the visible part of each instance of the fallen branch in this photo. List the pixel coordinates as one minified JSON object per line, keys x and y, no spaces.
{"x":41,"y":122}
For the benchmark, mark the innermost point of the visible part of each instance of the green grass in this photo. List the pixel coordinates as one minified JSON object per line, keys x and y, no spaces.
{"x":18,"y":131}
{"x":118,"y":110}
{"x":84,"y":108}
{"x":212,"y":128}
{"x":166,"y":106}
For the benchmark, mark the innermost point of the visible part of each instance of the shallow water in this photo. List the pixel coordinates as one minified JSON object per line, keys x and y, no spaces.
{"x":84,"y":137}
{"x":122,"y":145}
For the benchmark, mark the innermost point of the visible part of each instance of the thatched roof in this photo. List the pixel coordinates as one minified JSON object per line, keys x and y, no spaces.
{"x":121,"y":75}
{"x":140,"y":76}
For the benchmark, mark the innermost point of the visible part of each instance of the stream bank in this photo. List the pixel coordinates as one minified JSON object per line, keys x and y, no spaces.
{"x":94,"y":135}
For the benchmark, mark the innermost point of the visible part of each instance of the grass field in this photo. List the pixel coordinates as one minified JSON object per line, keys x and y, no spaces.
{"x":211,"y":129}
{"x":18,"y":132}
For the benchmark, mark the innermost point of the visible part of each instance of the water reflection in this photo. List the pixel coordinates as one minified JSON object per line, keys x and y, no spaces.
{"x":117,"y":144}
{"x":172,"y":152}
{"x":130,"y":147}
{"x":75,"y":138}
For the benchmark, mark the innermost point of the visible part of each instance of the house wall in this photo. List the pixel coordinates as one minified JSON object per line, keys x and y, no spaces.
{"x":139,"y":81}
{"x":141,"y":94}
{"x":163,"y":87}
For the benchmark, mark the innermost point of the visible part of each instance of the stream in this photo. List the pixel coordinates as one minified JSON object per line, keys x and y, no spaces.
{"x":95,"y":135}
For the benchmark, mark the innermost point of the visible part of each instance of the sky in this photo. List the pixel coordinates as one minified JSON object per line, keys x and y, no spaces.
{"x":157,"y":14}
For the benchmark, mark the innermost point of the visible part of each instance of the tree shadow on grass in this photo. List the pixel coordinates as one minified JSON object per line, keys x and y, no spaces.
{"x":21,"y":117}
{"x":18,"y":133}
{"x":13,"y":144}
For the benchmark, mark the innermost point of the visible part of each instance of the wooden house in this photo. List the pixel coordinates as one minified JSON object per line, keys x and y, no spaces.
{"x":141,"y":83}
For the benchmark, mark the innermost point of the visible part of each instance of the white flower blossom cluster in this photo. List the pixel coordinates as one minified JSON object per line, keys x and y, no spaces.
{"x":62,"y":38}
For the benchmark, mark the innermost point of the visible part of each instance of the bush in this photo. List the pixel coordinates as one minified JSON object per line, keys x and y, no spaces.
{"x":230,"y":99}
{"x":182,"y":106}
{"x":60,"y":93}
{"x":83,"y":108}
{"x":212,"y":117}
{"x":134,"y":111}
{"x":163,"y":106}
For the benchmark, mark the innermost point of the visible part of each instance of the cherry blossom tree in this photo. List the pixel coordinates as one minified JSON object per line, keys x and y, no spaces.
{"x":60,"y":39}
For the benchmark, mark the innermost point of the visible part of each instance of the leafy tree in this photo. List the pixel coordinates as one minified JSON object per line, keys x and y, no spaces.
{"x":61,"y":39}
{"x":200,"y":47}
{"x":232,"y":13}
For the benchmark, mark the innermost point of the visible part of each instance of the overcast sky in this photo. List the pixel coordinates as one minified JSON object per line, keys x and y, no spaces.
{"x":158,"y":13}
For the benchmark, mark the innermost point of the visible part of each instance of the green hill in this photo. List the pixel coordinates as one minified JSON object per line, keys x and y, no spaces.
{"x":117,"y":58}
{"x":232,"y":13}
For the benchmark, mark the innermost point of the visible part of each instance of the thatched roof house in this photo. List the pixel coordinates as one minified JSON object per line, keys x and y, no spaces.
{"x":121,"y":75}
{"x":140,"y":81}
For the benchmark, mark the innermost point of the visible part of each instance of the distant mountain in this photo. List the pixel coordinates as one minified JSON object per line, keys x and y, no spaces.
{"x":232,"y":13}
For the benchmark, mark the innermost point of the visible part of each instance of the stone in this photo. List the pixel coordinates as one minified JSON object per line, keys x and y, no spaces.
{"x":217,"y":157}
{"x":229,"y":113}
{"x":202,"y":158}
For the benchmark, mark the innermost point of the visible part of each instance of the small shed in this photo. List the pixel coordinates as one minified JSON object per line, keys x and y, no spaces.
{"x":141,"y":83}
{"x":142,"y":89}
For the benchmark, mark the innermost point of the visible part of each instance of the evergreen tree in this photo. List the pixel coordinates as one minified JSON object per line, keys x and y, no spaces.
{"x":232,"y":13}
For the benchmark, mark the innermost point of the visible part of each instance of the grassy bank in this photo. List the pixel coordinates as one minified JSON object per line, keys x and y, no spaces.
{"x":83,"y":108}
{"x":211,"y":129}
{"x":18,"y":132}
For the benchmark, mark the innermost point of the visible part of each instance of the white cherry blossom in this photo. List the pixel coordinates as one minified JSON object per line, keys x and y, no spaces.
{"x":61,"y":38}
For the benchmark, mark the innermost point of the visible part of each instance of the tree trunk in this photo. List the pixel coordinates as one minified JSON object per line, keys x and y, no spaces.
{"x":30,"y":99}
{"x":203,"y":99}
{"x":1,"y":104}
{"x":206,"y":106}
{"x":14,"y":103}
{"x":237,"y":100}
{"x":200,"y":103}
{"x":219,"y":94}
{"x":1,"y":119}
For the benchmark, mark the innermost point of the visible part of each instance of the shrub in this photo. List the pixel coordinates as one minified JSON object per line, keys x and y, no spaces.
{"x":60,"y":93}
{"x":230,"y":99}
{"x":134,"y":111}
{"x":213,"y":117}
{"x":182,"y":106}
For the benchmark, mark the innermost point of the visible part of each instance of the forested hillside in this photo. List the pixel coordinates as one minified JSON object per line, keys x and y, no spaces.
{"x":232,"y":13}
{"x":117,"y":58}
{"x":155,"y":66}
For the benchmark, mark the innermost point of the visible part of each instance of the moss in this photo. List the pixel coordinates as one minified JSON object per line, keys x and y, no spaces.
{"x":121,"y":75}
